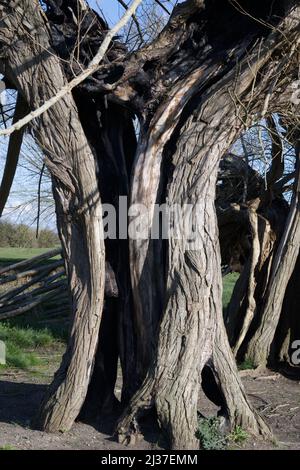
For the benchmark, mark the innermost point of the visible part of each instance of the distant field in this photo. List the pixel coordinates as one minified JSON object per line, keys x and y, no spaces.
{"x":11,"y":255}
{"x":29,"y":333}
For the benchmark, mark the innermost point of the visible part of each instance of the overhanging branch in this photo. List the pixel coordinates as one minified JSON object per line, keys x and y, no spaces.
{"x":91,"y":68}
{"x":13,"y":153}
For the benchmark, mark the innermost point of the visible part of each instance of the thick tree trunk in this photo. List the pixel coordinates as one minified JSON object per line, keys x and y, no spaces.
{"x":193,"y":64}
{"x":78,"y":206}
{"x":192,"y":325}
{"x":147,"y":276}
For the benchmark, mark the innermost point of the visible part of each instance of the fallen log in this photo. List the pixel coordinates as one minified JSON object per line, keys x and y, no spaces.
{"x":6,"y":314}
{"x":30,"y":262}
{"x":31,"y":272}
{"x":39,"y":290}
{"x":41,"y":279}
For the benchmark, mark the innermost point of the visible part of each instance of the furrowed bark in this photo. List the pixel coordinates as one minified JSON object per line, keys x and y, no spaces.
{"x":251,"y":287}
{"x":148,"y":282}
{"x":78,"y":206}
{"x":193,"y":306}
{"x":187,"y":135}
{"x":288,"y":329}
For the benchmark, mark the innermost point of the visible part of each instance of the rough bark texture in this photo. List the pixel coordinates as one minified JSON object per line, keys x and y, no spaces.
{"x":288,"y":329}
{"x":251,"y":303}
{"x":78,"y":207}
{"x":192,"y":324}
{"x":194,"y":89}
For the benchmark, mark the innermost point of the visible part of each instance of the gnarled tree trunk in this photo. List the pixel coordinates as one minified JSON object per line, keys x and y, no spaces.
{"x":78,"y":206}
{"x":193,"y":88}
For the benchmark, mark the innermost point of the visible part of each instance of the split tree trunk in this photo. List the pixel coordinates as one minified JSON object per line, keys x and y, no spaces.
{"x":207,"y":120}
{"x":192,"y":326}
{"x":76,"y":194}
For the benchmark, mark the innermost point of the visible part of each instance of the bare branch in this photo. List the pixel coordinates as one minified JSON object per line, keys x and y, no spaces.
{"x":162,"y":6}
{"x":13,"y":153}
{"x":92,"y":67}
{"x":134,"y":19}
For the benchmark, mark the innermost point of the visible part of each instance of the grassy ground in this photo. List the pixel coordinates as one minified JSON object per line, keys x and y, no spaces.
{"x":21,"y":344}
{"x":26,"y":334}
{"x":13,"y":255}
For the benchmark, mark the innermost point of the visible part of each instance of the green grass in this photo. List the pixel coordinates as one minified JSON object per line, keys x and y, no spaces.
{"x":21,"y":344}
{"x":228,"y":285}
{"x":7,"y":447}
{"x":13,"y":255}
{"x":32,"y":329}
{"x":209,"y":434}
{"x":24,"y":334}
{"x":238,"y":435}
{"x":211,"y":437}
{"x":246,"y":364}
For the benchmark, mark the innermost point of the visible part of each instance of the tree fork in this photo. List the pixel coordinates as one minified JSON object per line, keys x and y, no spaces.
{"x":193,"y":306}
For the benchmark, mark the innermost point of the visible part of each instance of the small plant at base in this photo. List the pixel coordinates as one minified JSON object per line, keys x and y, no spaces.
{"x":246,"y":364}
{"x":238,"y":435}
{"x":209,"y":434}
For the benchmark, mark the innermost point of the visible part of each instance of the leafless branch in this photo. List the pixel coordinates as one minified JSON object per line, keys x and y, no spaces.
{"x":91,"y":68}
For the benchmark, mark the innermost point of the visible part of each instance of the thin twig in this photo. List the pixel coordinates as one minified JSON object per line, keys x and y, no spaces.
{"x":134,"y":19}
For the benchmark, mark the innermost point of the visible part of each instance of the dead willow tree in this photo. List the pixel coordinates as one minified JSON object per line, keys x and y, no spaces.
{"x":194,"y":88}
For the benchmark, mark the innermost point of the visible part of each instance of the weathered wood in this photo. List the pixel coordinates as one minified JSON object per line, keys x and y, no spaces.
{"x":78,"y":206}
{"x":237,"y":57}
{"x":11,"y":313}
{"x":32,"y":272}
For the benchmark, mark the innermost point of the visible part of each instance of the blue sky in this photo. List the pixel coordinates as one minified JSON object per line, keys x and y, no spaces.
{"x":110,"y":8}
{"x":113,"y":10}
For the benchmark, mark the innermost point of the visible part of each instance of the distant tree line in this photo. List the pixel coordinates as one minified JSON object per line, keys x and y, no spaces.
{"x":22,"y":236}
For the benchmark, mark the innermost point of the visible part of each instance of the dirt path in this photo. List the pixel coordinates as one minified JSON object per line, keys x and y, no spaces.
{"x":277,"y":399}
